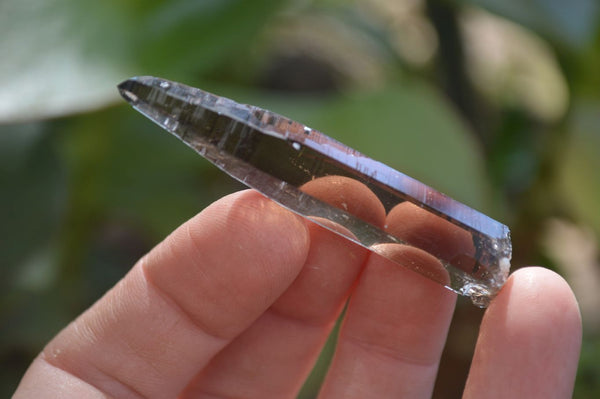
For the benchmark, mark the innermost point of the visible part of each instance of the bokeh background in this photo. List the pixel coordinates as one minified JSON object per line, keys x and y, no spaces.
{"x":494,"y":102}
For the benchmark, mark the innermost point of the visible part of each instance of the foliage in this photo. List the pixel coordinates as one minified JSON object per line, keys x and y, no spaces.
{"x":88,"y":185}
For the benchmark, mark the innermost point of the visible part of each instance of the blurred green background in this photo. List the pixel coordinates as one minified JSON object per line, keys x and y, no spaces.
{"x":494,"y":102}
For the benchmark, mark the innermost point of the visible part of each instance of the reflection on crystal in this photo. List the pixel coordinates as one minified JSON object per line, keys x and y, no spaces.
{"x":335,"y":186}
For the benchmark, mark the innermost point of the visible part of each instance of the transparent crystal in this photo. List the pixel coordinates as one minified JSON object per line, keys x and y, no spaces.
{"x":466,"y":251}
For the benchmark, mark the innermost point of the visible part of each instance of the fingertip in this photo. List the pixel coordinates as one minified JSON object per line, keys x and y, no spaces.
{"x":242,"y":251}
{"x":530,"y":336}
{"x":542,"y":294}
{"x":350,"y":195}
{"x":245,"y":222}
{"x":249,"y":216}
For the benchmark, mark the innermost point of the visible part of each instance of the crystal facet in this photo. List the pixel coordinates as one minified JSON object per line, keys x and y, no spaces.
{"x":467,"y":251}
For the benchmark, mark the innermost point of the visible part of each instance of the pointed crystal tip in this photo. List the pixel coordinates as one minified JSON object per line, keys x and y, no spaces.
{"x":125,"y":89}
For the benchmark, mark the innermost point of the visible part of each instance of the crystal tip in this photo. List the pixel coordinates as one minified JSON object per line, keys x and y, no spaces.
{"x":126,"y":89}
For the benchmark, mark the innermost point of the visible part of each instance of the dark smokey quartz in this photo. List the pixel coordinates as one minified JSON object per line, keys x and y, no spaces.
{"x":291,"y":163}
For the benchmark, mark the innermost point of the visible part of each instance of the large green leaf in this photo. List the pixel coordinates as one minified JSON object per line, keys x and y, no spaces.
{"x":65,"y":56}
{"x":409,"y":127}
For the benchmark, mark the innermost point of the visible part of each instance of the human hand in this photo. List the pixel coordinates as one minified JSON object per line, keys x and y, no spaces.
{"x":239,"y":300}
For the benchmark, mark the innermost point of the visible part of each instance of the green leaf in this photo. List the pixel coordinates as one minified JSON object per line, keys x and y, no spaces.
{"x":188,"y":37}
{"x":33,"y":181}
{"x":66,"y":56}
{"x":124,"y":167}
{"x":410,"y":128}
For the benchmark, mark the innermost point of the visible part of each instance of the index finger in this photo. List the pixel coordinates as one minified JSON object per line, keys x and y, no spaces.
{"x":179,"y":306}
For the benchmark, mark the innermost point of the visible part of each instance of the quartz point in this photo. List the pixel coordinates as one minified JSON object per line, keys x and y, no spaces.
{"x":280,"y":158}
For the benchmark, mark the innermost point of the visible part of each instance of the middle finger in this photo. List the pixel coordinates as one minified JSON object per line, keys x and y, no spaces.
{"x":396,"y":323}
{"x":274,"y":356}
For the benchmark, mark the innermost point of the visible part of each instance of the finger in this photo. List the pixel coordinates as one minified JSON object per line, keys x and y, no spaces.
{"x":397,"y":320}
{"x":274,"y":356}
{"x":184,"y":302}
{"x":393,"y":333}
{"x":395,"y":327}
{"x":433,"y":234}
{"x":529,"y":341}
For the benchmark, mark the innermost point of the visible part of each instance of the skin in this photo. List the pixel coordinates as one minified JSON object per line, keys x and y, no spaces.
{"x":238,"y":302}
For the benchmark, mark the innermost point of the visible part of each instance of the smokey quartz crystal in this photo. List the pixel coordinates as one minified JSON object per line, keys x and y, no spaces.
{"x":468,"y":251}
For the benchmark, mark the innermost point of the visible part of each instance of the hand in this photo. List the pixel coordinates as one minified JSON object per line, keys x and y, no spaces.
{"x":239,"y":300}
